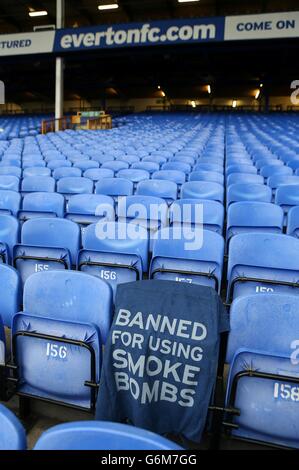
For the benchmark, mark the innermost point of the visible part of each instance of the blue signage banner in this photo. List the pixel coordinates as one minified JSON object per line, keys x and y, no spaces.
{"x":140,"y":34}
{"x":154,"y":33}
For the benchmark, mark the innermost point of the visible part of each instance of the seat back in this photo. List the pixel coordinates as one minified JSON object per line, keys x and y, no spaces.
{"x":287,"y":196}
{"x":38,"y":184}
{"x":202,"y":190}
{"x":178,"y":177}
{"x":158,"y":188}
{"x":188,"y":255}
{"x":151,"y":167}
{"x":9,"y":234}
{"x":85,"y":209}
{"x":235,"y":178}
{"x":43,"y":203}
{"x":260,"y":262}
{"x":97,"y":435}
{"x":188,"y":211}
{"x":10,"y":183}
{"x":66,"y":172}
{"x":211,"y":176}
{"x":293,"y":222}
{"x":247,"y":216}
{"x":114,"y":187}
{"x":9,"y":202}
{"x":248,"y":192}
{"x":54,"y":233}
{"x":36,"y":171}
{"x":95,"y":174}
{"x":241,"y":168}
{"x":115,"y":252}
{"x":149,"y":211}
{"x":11,"y":171}
{"x":12,"y":435}
{"x":78,"y":298}
{"x":264,"y":388}
{"x":10,"y":293}
{"x":256,"y":323}
{"x":75,"y":185}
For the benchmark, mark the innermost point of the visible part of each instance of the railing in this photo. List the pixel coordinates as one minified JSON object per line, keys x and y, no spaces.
{"x":102,"y":122}
{"x":51,"y":125}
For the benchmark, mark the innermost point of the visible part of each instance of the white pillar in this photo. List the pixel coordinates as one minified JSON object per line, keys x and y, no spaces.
{"x":59,"y":80}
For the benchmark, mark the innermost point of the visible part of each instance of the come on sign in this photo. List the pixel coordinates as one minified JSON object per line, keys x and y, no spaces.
{"x":266,"y":25}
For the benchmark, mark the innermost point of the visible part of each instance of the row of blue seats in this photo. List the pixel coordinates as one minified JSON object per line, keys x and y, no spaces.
{"x":120,"y":252}
{"x":116,"y":187}
{"x":261,"y":341}
{"x":87,"y":208}
{"x":90,"y":435}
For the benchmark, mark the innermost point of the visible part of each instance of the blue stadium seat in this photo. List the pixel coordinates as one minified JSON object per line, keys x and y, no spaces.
{"x":11,"y":170}
{"x":202,"y":190}
{"x":131,"y":159}
{"x":84,"y":165}
{"x":230,"y":169}
{"x":148,"y":211}
{"x":10,"y":295}
{"x":16,"y":163}
{"x":151,"y":167}
{"x":247,"y":216}
{"x":265,"y":162}
{"x":66,"y":172}
{"x":262,"y":262}
{"x":46,"y":244}
{"x":293,"y":222}
{"x":183,"y":159}
{"x":97,"y":435}
{"x":158,"y":188}
{"x":58,"y":338}
{"x":9,"y":183}
{"x":180,"y":166}
{"x":287,"y":196}
{"x":116,"y":165}
{"x":114,"y":187}
{"x":103,"y":158}
{"x":294,"y":164}
{"x":12,"y":435}
{"x":95,"y":174}
{"x":42,"y":205}
{"x":248,"y":192}
{"x":114,"y":252}
{"x":36,"y":171}
{"x":184,"y":211}
{"x":264,"y":368}
{"x":86,"y":209}
{"x":188,"y":255}
{"x":30,"y":163}
{"x":9,"y":202}
{"x":53,"y":164}
{"x":159,"y":159}
{"x":278,"y":180}
{"x":9,"y":235}
{"x":32,"y":184}
{"x":270,"y":170}
{"x":203,"y":175}
{"x":134,"y":175}
{"x":202,"y":166}
{"x":176,"y":176}
{"x":235,"y":178}
{"x":74,"y":185}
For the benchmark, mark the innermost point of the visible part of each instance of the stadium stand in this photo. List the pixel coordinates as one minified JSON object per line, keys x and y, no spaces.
{"x":226,"y":187}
